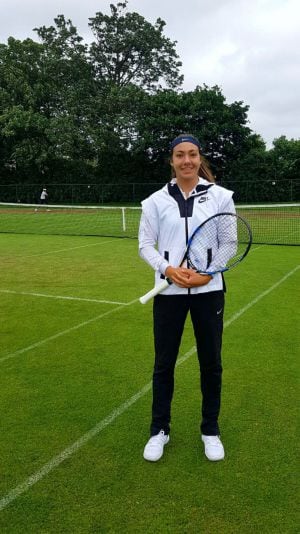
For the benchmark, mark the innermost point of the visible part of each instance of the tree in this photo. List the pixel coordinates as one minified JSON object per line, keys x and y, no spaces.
{"x":71,"y":91}
{"x":22,"y":124}
{"x":107,"y":111}
{"x":131,"y":51}
{"x":66,"y":106}
{"x":221,"y":128}
{"x":45,"y":96}
{"x":285,"y":158}
{"x":130,"y":58}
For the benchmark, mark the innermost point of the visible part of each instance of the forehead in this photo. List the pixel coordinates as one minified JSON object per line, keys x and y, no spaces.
{"x":185,"y":147}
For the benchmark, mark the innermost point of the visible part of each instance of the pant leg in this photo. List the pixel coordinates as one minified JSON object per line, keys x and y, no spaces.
{"x":207,"y":311}
{"x":169,"y":315}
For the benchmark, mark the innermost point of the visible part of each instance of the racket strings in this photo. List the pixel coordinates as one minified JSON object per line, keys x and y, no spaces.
{"x":220,"y":243}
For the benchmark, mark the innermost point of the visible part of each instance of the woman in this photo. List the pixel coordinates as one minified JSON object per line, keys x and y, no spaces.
{"x":169,"y":216}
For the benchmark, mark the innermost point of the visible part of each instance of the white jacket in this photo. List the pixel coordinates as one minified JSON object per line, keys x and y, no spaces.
{"x":168,"y":220}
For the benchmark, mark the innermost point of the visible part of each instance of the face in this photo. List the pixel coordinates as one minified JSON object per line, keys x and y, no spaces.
{"x":186,"y":161}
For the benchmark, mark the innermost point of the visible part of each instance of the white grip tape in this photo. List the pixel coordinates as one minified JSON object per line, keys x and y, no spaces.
{"x":157,"y":289}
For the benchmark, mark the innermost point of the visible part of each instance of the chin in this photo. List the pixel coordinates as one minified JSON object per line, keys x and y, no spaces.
{"x":189,"y":176}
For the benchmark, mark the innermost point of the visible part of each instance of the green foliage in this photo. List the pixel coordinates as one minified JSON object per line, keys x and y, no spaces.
{"x":43,"y":120}
{"x":106,"y":112}
{"x":266,"y":176}
{"x":130,"y":50}
{"x":221,"y":127}
{"x":285,"y":157}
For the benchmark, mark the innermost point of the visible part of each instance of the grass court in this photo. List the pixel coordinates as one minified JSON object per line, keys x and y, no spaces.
{"x":76,"y":360}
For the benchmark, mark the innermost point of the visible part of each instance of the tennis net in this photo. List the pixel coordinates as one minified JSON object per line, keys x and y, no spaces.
{"x":276,"y":224}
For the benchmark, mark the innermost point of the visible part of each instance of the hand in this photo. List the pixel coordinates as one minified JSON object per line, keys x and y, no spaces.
{"x":187,"y":278}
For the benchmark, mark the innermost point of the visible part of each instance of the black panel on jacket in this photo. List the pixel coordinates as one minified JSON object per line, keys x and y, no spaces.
{"x":186,"y":206}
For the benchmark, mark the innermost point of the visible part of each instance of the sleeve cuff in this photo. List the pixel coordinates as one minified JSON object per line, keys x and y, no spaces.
{"x":163,"y":266}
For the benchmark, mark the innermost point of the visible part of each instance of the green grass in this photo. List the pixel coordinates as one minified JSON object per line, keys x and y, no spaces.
{"x":55,"y":392}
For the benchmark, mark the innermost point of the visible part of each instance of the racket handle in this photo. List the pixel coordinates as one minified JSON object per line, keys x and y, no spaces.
{"x":155,"y":291}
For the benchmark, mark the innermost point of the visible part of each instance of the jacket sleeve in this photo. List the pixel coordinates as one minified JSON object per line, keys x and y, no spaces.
{"x":148,"y":236}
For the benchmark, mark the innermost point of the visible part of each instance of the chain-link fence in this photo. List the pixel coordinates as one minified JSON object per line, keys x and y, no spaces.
{"x":133,"y":193}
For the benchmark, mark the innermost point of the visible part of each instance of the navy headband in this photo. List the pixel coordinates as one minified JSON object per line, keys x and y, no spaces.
{"x":185,"y":139}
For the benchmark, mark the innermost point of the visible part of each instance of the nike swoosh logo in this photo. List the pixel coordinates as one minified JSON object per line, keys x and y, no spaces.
{"x":219,"y":311}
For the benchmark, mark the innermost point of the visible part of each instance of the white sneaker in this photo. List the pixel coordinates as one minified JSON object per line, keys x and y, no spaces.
{"x":213,"y":446}
{"x":155,"y":447}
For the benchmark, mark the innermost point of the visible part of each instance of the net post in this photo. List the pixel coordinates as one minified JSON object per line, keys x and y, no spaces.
{"x":123,"y":219}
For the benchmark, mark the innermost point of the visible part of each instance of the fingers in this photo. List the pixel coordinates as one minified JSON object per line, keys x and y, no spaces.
{"x":196,"y":280}
{"x":177,"y":275}
{"x":200,"y":280}
{"x":186,"y":278}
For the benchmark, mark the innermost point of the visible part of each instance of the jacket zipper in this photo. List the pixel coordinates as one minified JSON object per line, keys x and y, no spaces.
{"x":187,"y":232}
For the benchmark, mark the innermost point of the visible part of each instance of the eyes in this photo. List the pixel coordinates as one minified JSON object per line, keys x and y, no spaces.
{"x":192,"y":154}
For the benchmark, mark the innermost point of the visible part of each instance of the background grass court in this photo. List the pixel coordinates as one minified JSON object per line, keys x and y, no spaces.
{"x":58,"y":382}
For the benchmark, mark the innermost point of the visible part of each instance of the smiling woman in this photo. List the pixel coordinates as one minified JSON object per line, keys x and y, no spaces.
{"x":187,"y":162}
{"x":169,"y":218}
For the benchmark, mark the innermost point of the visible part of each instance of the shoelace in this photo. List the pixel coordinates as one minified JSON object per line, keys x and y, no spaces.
{"x":159,"y":438}
{"x":213,"y":440}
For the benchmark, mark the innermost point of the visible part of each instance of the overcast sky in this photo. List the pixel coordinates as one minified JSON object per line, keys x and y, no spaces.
{"x":250,"y":48}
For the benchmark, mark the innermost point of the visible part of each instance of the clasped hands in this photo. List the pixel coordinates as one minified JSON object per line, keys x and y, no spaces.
{"x":183,"y":277}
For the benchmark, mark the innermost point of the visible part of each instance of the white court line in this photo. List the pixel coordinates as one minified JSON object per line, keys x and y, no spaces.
{"x":66,"y":453}
{"x":64,"y":332}
{"x":8,"y":291}
{"x":65,"y":249}
{"x":26,"y":349}
{"x":257,"y":299}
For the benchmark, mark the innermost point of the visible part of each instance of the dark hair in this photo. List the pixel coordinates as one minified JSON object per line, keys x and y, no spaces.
{"x":204,"y":169}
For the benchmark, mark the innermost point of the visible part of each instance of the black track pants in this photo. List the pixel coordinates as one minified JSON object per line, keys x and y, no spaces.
{"x":169,"y":315}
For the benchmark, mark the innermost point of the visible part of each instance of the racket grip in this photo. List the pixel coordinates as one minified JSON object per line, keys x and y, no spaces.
{"x":155,"y":291}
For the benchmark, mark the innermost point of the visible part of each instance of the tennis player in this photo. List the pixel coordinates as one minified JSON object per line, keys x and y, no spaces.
{"x":169,"y":216}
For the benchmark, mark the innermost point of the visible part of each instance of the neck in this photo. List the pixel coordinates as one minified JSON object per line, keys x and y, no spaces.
{"x":187,"y":185}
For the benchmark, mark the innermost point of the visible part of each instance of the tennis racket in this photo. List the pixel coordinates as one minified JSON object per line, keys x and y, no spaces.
{"x":217,"y":245}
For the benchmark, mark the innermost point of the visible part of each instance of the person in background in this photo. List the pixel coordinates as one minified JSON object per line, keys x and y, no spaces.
{"x":169,"y":216}
{"x":44,"y":197}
